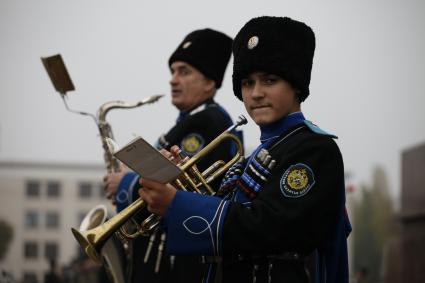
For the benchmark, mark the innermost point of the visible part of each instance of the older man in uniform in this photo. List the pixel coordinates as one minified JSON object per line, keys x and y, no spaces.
{"x":197,"y":69}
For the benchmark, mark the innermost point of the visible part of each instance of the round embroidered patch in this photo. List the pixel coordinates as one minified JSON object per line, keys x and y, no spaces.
{"x":192,"y":143}
{"x":297,"y":181}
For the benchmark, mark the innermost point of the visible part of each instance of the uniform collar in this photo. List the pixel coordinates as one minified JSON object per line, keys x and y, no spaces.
{"x":184,"y":114}
{"x":281,"y":126}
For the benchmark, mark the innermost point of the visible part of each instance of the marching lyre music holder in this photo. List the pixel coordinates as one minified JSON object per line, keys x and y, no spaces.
{"x":58,"y":74}
{"x":61,"y":80}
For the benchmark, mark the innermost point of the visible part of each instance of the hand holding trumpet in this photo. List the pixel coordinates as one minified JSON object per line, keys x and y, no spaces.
{"x":158,"y":196}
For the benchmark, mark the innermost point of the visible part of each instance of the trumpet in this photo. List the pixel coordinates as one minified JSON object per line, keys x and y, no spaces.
{"x":191,"y":179}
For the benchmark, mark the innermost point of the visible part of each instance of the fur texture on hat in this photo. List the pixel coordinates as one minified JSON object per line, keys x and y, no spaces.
{"x":207,"y":50}
{"x":276,"y":45}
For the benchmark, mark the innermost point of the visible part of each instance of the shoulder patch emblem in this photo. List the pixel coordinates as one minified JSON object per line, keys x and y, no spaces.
{"x":297,"y":181}
{"x":192,"y":143}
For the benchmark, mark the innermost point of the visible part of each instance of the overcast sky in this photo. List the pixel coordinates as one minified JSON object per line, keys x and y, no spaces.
{"x":367,"y":83}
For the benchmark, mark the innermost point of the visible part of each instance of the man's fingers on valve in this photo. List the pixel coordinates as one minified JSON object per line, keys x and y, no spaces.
{"x":176,"y":151}
{"x":167,"y":154}
{"x":177,"y":154}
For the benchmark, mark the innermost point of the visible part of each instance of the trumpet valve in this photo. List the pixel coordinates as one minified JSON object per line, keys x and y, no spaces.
{"x":208,"y":173}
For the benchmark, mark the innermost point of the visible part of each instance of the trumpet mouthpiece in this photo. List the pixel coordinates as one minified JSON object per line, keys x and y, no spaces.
{"x":241,"y":120}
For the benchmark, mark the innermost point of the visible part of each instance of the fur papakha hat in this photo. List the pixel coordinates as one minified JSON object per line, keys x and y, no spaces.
{"x":275,"y":45}
{"x":207,"y":50}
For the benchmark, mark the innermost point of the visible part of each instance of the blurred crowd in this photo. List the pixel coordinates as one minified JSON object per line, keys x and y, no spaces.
{"x":79,"y":270}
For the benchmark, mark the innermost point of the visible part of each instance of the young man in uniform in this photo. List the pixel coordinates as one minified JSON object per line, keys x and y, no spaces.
{"x":286,"y":202}
{"x":197,"y":69}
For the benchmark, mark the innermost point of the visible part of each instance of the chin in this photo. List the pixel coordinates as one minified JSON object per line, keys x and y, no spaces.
{"x":176,"y":102}
{"x":260,"y":120}
{"x":179,"y":106}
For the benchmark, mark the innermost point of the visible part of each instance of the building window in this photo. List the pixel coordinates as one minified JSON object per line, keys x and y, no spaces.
{"x":30,"y":250}
{"x":33,"y":189}
{"x":85,"y":190}
{"x":51,"y":250}
{"x":52,"y":220}
{"x":53,"y":189}
{"x":30,"y":277}
{"x":31,"y":219}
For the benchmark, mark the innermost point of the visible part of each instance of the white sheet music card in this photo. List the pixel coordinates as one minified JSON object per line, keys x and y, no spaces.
{"x":147,"y":161}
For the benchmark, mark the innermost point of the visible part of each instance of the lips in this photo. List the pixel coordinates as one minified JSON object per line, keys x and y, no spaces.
{"x":175,"y":92}
{"x":258,"y":107}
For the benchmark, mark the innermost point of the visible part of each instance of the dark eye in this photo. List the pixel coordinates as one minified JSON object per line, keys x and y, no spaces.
{"x":184,"y":71}
{"x":271,"y":79}
{"x":247,"y":82}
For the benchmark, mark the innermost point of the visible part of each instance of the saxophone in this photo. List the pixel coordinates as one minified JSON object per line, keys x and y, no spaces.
{"x":117,"y":251}
{"x":112,"y":164}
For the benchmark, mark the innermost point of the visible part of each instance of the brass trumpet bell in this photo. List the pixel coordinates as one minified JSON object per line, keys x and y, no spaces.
{"x":111,"y":253}
{"x":92,"y":241}
{"x":85,"y":240}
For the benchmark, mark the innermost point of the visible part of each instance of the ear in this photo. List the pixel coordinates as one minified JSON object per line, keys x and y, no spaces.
{"x":298,"y":95}
{"x":209,"y":85}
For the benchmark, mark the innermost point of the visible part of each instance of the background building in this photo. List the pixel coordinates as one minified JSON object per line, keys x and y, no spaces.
{"x":42,"y":202}
{"x":405,"y":254}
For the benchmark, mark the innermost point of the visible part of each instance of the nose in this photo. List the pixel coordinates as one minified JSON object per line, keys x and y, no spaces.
{"x":257,"y":91}
{"x":174,"y":79}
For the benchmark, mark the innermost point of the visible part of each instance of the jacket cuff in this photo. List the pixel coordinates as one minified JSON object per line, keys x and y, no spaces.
{"x":194,"y":224}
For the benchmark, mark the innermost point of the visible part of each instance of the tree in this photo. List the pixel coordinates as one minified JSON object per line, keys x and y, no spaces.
{"x":6,"y":235}
{"x":372,"y":225}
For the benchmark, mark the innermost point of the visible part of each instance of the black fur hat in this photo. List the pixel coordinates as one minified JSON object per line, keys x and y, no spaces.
{"x":207,"y":50}
{"x":275,"y":45}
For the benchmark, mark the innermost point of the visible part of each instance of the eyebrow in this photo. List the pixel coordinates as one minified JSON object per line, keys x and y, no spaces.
{"x":265,"y":74}
{"x":180,"y":68}
{"x":260,"y":74}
